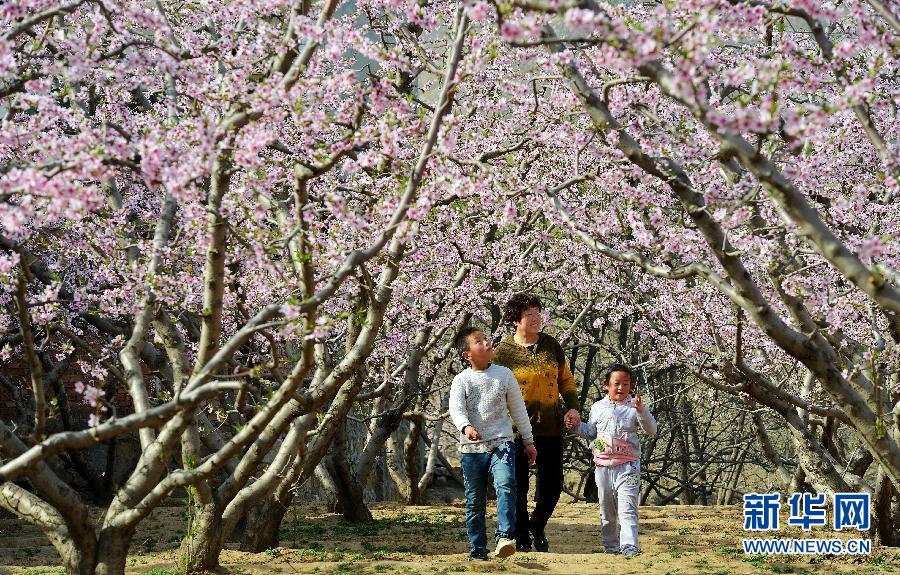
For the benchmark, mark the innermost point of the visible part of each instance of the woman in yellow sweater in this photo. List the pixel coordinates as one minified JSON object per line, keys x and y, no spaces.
{"x":539,"y":364}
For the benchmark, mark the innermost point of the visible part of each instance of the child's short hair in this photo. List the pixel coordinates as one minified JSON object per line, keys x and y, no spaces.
{"x":461,"y":342}
{"x":618,"y":367}
{"x":517,"y":305}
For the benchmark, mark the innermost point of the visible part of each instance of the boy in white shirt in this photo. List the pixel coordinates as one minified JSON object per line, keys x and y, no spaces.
{"x":482,"y":399}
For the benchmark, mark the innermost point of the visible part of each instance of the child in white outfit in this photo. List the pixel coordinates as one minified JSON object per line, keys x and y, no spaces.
{"x":612,"y":427}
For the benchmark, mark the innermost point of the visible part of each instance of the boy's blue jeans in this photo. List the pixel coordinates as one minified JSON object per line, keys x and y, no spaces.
{"x":475,"y":467}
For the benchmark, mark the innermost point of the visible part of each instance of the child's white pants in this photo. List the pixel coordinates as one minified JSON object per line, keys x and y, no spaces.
{"x":618,"y":488}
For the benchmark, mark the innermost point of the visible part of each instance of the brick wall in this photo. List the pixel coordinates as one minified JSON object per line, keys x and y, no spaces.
{"x":17,"y":372}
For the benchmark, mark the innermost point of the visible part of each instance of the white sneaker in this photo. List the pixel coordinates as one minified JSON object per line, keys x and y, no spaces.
{"x":505,"y":548}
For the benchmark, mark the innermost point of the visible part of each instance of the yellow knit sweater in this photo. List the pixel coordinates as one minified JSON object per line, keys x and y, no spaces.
{"x":543,"y":376}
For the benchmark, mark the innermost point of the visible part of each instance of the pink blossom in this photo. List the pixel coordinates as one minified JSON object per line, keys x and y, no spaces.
{"x":846,"y":49}
{"x":478,"y":11}
{"x":92,"y":395}
{"x":580,"y":20}
{"x":512,"y":32}
{"x":509,"y":213}
{"x":319,"y":332}
{"x":645,"y":45}
{"x":8,"y":262}
{"x":871,"y":249}
{"x":290,"y":312}
{"x":7,"y":58}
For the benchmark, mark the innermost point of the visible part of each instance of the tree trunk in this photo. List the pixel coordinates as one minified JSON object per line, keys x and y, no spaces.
{"x":820,"y":468}
{"x":883,"y":519}
{"x":728,"y":492}
{"x":799,"y":483}
{"x":448,"y":467}
{"x":394,"y":458}
{"x":112,"y":551}
{"x":76,"y":547}
{"x":768,"y":450}
{"x":349,"y":492}
{"x":327,"y":485}
{"x":586,"y":376}
{"x":434,"y":449}
{"x":263,"y":526}
{"x":817,"y":464}
{"x":263,"y":521}
{"x":201,"y":547}
{"x":651,"y":483}
{"x":697,"y":446}
{"x":75,"y":562}
{"x":684,"y":460}
{"x":411,"y":463}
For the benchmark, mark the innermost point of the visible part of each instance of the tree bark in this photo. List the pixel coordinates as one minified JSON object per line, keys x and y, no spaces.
{"x":883,"y":516}
{"x":697,"y":446}
{"x":730,"y":490}
{"x":78,"y":553}
{"x":768,"y":450}
{"x":684,"y":460}
{"x":350,"y":497}
{"x":201,"y":547}
{"x":112,"y":551}
{"x":263,"y":526}
{"x":434,"y":449}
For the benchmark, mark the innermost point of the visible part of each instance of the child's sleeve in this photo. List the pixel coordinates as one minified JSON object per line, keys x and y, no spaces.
{"x":458,"y":413}
{"x":516,"y":404}
{"x":647,"y":422}
{"x":588,"y":429}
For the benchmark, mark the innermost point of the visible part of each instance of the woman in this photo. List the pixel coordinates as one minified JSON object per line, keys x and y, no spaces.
{"x":539,"y":364}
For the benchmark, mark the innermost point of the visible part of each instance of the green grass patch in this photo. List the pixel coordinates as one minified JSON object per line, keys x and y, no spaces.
{"x":758,"y":561}
{"x":311,"y":554}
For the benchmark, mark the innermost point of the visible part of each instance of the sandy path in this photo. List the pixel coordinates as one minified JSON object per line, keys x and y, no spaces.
{"x":431,"y":539}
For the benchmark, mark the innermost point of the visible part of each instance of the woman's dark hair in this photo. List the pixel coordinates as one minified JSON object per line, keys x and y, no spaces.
{"x":461,"y":342}
{"x":619,"y":367}
{"x":517,"y":305}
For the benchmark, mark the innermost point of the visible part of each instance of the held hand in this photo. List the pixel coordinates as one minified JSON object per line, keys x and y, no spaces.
{"x":472,"y":433}
{"x":637,"y":403}
{"x":531,"y":453}
{"x":572,"y":419}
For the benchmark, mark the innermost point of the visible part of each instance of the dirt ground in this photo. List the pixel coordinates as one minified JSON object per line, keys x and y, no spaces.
{"x":431,"y":539}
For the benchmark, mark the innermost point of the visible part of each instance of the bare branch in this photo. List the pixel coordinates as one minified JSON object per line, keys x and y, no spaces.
{"x":59,"y":442}
{"x":35,"y":370}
